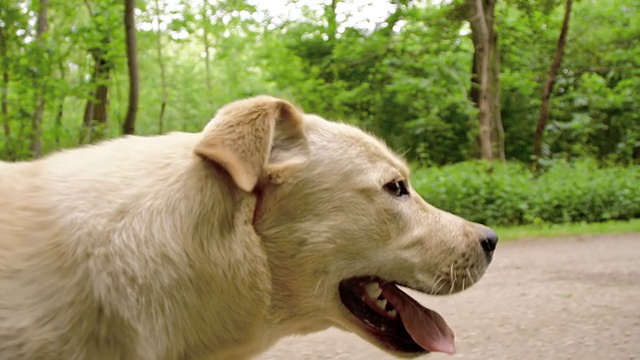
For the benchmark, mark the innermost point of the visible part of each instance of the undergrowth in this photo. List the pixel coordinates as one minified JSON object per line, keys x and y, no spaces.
{"x":509,"y":193}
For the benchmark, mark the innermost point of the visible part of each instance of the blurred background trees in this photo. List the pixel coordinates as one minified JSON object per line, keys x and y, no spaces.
{"x":440,"y":81}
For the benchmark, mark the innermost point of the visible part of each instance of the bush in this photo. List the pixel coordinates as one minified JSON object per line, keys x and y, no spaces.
{"x":509,"y":194}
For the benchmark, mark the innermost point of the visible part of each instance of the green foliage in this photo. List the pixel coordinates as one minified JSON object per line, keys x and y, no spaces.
{"x":594,"y":110}
{"x":406,"y":78}
{"x":409,"y":86}
{"x":509,"y":194}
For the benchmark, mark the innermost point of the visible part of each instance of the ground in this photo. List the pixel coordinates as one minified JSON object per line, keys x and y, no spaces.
{"x":565,"y":298}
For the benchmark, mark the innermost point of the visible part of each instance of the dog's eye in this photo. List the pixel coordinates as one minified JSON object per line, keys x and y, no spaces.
{"x":396,"y":188}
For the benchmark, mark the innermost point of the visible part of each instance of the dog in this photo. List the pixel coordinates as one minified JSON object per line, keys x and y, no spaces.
{"x":214,"y":245}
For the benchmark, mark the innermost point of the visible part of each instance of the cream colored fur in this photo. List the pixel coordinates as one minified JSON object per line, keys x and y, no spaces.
{"x":211,"y":245}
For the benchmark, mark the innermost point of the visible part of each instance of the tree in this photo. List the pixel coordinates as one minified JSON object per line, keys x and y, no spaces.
{"x":485,"y":89}
{"x":4,"y":105}
{"x":332,"y":22}
{"x":95,"y":112}
{"x":128,"y":127}
{"x":548,"y":85}
{"x":408,"y":75}
{"x":163,"y":81}
{"x":39,"y":80}
{"x":206,"y":10}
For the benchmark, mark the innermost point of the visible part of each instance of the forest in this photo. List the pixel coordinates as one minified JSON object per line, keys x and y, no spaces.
{"x":494,"y":97}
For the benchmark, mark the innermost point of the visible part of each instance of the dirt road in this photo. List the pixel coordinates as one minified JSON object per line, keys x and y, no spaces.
{"x":569,"y":298}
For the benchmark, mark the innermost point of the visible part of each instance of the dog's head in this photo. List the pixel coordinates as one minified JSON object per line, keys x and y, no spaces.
{"x":342,"y":226}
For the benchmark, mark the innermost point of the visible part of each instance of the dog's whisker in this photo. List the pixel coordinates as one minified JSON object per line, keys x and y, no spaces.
{"x":316,"y":291}
{"x":469,"y":276}
{"x":435,"y":289}
{"x":441,"y":287}
{"x":453,"y":279}
{"x":326,"y":291}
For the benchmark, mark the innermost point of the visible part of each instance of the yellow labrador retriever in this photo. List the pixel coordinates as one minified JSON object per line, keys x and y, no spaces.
{"x":215,"y":245}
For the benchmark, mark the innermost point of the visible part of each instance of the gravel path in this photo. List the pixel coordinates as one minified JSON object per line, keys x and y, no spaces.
{"x":566,"y":298}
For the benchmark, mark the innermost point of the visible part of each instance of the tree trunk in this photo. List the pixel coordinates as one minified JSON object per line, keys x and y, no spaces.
{"x":58,"y":123}
{"x":128,"y":127}
{"x":332,"y":21}
{"x":332,"y":34}
{"x":95,"y":111}
{"x":207,"y":54}
{"x":485,"y":77}
{"x":498,"y":129}
{"x":163,"y":81}
{"x":95,"y":117}
{"x":36,"y":118}
{"x":548,"y":86}
{"x":60,"y":112}
{"x":4,"y":105}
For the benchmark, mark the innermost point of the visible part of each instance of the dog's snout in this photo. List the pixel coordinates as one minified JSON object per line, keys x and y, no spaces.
{"x":489,"y":242}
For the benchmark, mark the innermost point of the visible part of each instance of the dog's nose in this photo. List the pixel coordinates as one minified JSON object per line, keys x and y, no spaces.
{"x":489,"y":242}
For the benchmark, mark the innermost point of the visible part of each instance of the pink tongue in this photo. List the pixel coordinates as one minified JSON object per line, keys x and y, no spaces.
{"x":426,"y":327}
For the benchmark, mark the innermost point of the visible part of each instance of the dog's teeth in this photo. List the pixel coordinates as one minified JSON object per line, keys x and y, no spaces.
{"x":373,"y":290}
{"x":368,"y":322}
{"x":393,"y":313}
{"x":382,"y":303}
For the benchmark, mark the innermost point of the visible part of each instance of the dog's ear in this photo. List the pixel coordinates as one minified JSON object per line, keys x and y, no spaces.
{"x":256,"y":138}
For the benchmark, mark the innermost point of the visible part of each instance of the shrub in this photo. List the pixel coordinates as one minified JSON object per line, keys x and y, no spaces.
{"x":509,"y":194}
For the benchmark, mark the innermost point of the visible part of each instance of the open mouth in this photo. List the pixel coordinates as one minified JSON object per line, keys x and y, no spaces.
{"x":396,"y":320}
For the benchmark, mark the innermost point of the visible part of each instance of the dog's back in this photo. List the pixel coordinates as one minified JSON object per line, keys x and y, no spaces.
{"x":104,"y":254}
{"x":48,"y":308}
{"x":58,"y":216}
